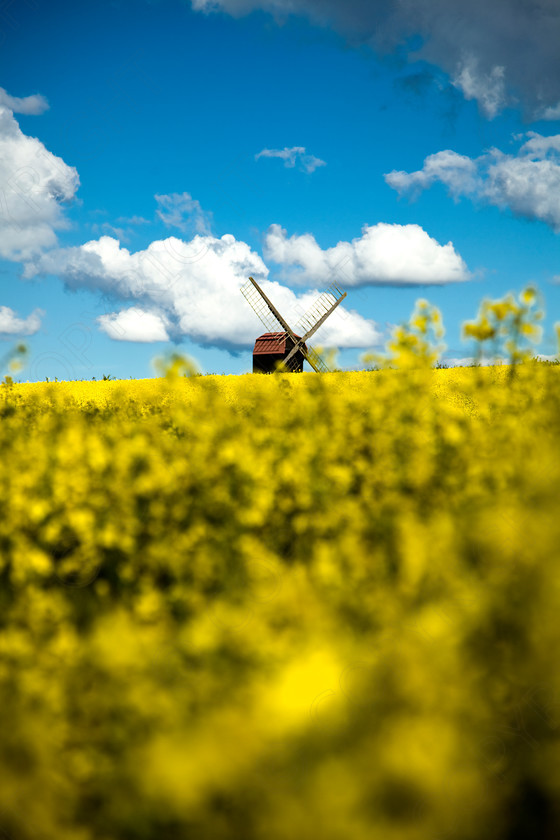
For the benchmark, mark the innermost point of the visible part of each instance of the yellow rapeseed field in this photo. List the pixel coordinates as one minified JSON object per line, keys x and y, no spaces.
{"x":294,"y":606}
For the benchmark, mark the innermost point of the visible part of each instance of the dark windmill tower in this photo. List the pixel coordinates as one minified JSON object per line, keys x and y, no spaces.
{"x":281,"y":343}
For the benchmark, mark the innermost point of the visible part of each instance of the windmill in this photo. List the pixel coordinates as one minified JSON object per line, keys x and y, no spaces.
{"x":281,"y":343}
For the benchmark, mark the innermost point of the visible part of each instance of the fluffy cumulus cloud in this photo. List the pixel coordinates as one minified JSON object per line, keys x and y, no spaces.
{"x":134,"y":324}
{"x":399,"y":255}
{"x":496,"y":52}
{"x":293,"y":155}
{"x":33,"y":183}
{"x":12,"y":325}
{"x":527,"y":183}
{"x":181,"y":289}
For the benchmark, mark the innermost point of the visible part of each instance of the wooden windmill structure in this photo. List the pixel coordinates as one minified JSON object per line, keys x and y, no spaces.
{"x":282,"y":344}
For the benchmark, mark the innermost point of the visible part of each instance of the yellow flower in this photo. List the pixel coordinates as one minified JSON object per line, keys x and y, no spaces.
{"x":528,"y":296}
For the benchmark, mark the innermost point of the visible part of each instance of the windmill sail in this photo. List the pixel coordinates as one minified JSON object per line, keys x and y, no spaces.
{"x":261,"y":305}
{"x":321,"y":309}
{"x":316,"y":361}
{"x":310,"y":355}
{"x":311,"y":321}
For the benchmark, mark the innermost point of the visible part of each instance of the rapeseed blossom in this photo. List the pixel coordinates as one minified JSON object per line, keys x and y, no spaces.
{"x":281,"y":606}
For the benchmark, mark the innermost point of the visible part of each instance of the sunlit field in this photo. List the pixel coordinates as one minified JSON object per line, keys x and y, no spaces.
{"x":320,"y":600}
{"x":287,"y":606}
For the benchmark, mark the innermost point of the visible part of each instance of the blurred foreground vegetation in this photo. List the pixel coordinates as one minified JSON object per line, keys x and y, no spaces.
{"x":281,"y":607}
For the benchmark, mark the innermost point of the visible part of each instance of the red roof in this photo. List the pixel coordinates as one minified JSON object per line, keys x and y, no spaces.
{"x":271,"y":344}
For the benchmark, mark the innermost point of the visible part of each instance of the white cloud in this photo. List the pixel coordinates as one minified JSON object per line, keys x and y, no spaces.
{"x":182,"y":211}
{"x":487,"y":88}
{"x":35,"y":104}
{"x":11,"y":324}
{"x":385,"y":254}
{"x":457,"y":172}
{"x":296,"y":154}
{"x":134,"y":324}
{"x":527,"y":183}
{"x":190,"y":289}
{"x":33,"y":182}
{"x":552,"y":112}
{"x":496,"y":51}
{"x":538,"y":147}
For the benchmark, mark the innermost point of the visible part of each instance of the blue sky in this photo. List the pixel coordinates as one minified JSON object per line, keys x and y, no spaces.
{"x":180,"y":147}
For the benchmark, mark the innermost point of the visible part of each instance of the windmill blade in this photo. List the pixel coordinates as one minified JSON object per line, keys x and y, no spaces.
{"x":309,"y":354}
{"x":257,"y":304}
{"x":315,"y":360}
{"x":325,"y":304}
{"x":264,"y":308}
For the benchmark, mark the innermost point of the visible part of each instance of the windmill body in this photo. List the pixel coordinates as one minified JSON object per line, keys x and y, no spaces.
{"x":281,"y":343}
{"x":272,"y":348}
